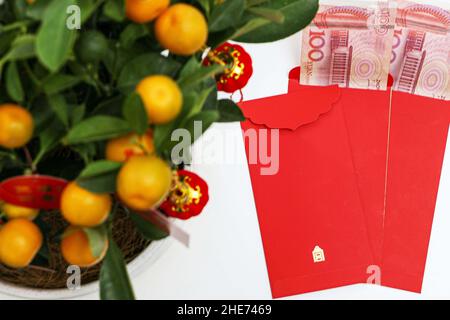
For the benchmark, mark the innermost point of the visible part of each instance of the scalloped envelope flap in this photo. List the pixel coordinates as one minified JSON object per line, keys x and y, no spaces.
{"x":292,"y":110}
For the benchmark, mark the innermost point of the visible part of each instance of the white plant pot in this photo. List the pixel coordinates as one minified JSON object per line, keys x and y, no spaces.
{"x":137,"y":266}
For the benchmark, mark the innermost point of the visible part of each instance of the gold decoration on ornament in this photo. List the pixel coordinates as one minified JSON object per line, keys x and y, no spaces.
{"x":228,"y":56}
{"x":182,"y":194}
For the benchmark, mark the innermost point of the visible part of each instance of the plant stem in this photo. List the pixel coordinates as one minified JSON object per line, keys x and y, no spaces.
{"x":8,"y":155}
{"x":38,"y":159}
{"x":29,"y":160}
{"x":12,"y":156}
{"x":36,"y":82}
{"x":109,"y":222}
{"x":32,"y":76}
{"x":13,"y":26}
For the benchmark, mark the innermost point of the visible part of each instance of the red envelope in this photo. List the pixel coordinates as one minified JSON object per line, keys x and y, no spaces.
{"x":398,"y":196}
{"x":309,"y":211}
{"x":419,"y":131}
{"x":366,"y":114}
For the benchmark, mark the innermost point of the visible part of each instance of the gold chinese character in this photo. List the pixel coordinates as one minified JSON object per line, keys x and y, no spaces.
{"x":318,"y":255}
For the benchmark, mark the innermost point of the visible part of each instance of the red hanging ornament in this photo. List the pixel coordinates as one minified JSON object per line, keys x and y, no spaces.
{"x":35,"y":191}
{"x":188,"y":197}
{"x":239,"y":70}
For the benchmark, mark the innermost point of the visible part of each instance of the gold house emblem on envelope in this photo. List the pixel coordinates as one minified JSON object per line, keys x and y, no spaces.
{"x":318,"y":254}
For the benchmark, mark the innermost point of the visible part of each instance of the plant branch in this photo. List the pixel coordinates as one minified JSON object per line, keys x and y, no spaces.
{"x":30,"y":162}
{"x":32,"y":76}
{"x":15,"y":25}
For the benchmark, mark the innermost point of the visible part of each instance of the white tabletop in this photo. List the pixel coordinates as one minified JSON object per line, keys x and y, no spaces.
{"x":226,"y":259}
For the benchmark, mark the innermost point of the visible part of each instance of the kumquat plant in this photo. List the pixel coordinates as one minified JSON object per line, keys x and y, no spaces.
{"x":90,"y":94}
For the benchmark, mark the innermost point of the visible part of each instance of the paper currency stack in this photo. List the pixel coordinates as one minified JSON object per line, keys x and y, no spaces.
{"x":359,"y":43}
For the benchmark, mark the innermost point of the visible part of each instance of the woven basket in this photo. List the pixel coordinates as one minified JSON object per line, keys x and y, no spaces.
{"x":49,"y":282}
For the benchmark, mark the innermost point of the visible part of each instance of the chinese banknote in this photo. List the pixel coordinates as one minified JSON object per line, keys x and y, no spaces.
{"x":359,"y":43}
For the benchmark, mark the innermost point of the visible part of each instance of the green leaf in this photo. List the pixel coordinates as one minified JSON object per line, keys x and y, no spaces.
{"x":100,"y":184}
{"x":49,"y":138}
{"x":134,"y":112}
{"x":206,"y":5}
{"x":98,"y":238}
{"x":226,"y":14}
{"x":196,"y":125}
{"x":116,"y":58}
{"x":199,"y":75}
{"x":100,"y":176}
{"x":54,"y":31}
{"x":6,"y":39}
{"x":97,"y":128}
{"x":112,"y":107}
{"x":217,"y":38}
{"x":77,"y":114}
{"x":115,"y":10}
{"x":199,"y":86}
{"x":201,"y":99}
{"x":37,"y":9}
{"x":161,"y":136}
{"x":229,"y":111}
{"x":210,"y":102}
{"x":80,"y":72}
{"x":205,"y":118}
{"x":86,"y":151}
{"x":87,"y":8}
{"x":22,"y":48}
{"x":19,"y":7}
{"x":59,"y":82}
{"x":298,"y":14}
{"x":192,"y":65}
{"x":252,"y":3}
{"x":132,"y":33}
{"x":42,"y":113}
{"x":275,"y":16}
{"x":99,"y":168}
{"x":114,"y":280}
{"x":145,"y":65}
{"x":59,"y":105}
{"x":13,"y":83}
{"x":148,"y":229}
{"x":251,"y":25}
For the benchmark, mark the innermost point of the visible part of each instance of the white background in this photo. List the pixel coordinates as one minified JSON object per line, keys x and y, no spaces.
{"x":226,"y":259}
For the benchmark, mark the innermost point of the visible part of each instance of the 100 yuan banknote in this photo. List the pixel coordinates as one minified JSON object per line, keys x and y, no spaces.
{"x":349,"y":43}
{"x":421,"y":48}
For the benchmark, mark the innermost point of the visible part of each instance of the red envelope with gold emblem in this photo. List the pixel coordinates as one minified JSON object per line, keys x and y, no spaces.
{"x":398,"y":142}
{"x":305,"y":190}
{"x":366,"y":114}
